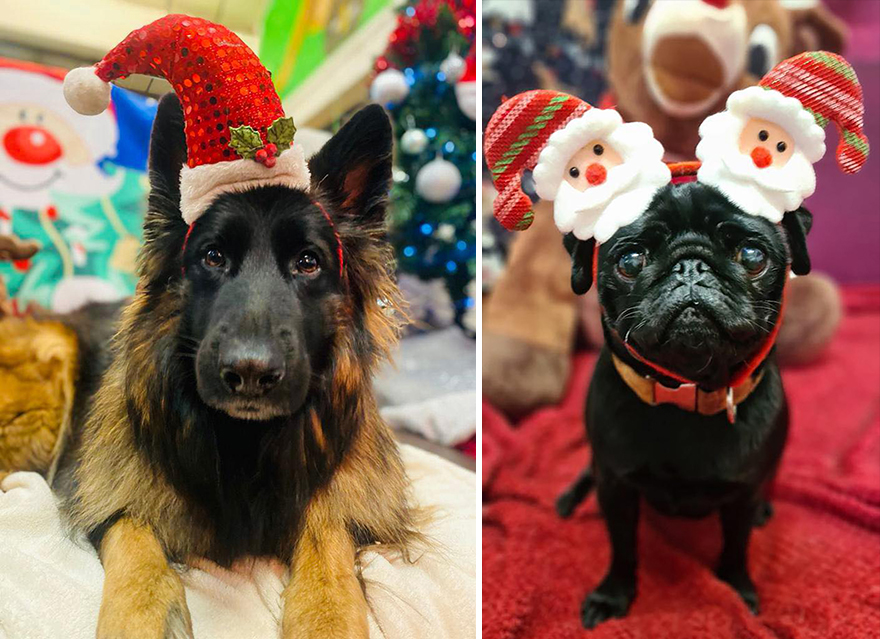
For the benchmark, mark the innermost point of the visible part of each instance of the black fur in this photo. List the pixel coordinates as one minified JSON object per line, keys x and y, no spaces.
{"x":694,"y":309}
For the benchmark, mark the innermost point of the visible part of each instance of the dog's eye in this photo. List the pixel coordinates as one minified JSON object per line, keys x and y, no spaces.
{"x":630,"y":264}
{"x":573,"y":172}
{"x":752,"y":259}
{"x":307,"y":263}
{"x":214,"y":258}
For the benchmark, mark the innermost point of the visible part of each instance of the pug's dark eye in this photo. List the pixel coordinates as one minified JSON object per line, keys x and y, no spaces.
{"x":598,"y":149}
{"x":307,"y":263}
{"x":781,"y":146}
{"x":763,"y":135}
{"x":752,"y":259}
{"x":630,"y":264}
{"x":214,"y":258}
{"x":573,"y":172}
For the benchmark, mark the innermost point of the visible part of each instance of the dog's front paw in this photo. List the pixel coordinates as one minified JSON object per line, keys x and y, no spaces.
{"x":605,"y":602}
{"x":332,"y":609}
{"x":154,"y":610}
{"x":740,"y":581}
{"x":566,"y":503}
{"x":763,"y":514}
{"x":326,"y":623}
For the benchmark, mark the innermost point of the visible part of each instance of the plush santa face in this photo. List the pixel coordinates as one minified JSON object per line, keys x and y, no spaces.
{"x":600,"y":173}
{"x":45,"y":147}
{"x":760,"y":152}
{"x":766,"y":143}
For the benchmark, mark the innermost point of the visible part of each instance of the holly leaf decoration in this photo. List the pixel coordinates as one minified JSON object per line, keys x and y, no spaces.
{"x":281,"y":132}
{"x":245,"y":140}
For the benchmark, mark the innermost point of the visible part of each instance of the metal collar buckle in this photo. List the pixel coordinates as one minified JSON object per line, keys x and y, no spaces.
{"x":731,"y":406}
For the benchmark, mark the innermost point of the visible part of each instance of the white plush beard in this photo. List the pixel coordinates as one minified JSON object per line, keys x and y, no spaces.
{"x":601,"y":210}
{"x":768,"y":192}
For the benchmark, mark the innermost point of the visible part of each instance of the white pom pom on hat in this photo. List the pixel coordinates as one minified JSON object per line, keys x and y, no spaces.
{"x":85,"y":92}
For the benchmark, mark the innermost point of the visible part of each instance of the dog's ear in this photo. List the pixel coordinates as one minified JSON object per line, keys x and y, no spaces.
{"x":353,"y":168}
{"x":581,"y":252}
{"x":167,"y":148}
{"x":797,"y":225}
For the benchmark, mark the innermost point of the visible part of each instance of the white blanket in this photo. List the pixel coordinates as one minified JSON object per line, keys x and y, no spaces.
{"x":50,"y":585}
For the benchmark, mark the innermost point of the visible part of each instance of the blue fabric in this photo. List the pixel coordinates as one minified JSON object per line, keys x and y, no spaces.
{"x":134,"y":115}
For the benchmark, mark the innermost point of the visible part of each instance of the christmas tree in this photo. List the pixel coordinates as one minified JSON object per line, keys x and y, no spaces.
{"x":426,"y":79}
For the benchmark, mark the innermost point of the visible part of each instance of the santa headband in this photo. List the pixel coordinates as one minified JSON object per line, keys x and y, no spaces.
{"x":602,"y":173}
{"x":237,"y":136}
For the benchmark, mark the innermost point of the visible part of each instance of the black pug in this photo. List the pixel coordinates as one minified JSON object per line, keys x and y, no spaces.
{"x":695,"y":286}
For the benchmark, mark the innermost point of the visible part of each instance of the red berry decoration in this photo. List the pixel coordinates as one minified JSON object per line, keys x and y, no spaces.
{"x":271,"y":149}
{"x":261,"y":155}
{"x":270,"y":162}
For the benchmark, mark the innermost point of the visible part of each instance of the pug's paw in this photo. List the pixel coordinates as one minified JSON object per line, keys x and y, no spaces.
{"x":763,"y":514}
{"x":605,"y":602}
{"x":740,"y":581}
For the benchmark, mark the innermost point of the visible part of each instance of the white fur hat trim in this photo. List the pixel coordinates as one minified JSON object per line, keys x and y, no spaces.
{"x":200,"y":185}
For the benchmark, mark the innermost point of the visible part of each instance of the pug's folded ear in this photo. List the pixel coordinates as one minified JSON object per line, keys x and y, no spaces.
{"x":797,"y":225}
{"x":353,"y":169}
{"x":581,"y":252}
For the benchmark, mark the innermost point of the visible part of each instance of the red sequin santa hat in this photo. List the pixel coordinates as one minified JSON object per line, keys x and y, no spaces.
{"x":237,"y":135}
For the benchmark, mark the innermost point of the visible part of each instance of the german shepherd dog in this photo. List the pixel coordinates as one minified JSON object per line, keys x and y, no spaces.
{"x":236,"y":417}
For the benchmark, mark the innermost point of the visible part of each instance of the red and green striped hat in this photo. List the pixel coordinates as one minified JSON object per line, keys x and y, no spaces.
{"x":828,"y":89}
{"x":514,"y":138}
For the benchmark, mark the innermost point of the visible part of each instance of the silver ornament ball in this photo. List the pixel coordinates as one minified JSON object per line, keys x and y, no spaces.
{"x":453,"y":67}
{"x":414,"y":141}
{"x":389,"y":87}
{"x":438,"y":181}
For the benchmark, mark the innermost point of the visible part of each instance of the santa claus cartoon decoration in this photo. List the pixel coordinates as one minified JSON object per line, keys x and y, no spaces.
{"x":237,"y":134}
{"x":599,"y":172}
{"x":760,"y":151}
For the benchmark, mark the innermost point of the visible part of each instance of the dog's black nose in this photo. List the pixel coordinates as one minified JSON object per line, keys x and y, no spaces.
{"x":690,"y":268}
{"x":251,"y":368}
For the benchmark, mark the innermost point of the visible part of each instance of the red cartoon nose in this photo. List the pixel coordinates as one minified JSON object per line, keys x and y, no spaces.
{"x":31,"y":145}
{"x":761,"y":157}
{"x":596,"y":174}
{"x":720,"y":4}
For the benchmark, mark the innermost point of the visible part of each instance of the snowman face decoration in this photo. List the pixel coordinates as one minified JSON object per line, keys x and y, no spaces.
{"x":767,"y":143}
{"x":589,"y":167}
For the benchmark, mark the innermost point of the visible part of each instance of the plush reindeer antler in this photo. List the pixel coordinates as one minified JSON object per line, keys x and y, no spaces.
{"x":13,"y":248}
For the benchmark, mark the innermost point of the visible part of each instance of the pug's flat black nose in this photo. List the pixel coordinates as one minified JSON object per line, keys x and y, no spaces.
{"x":691,"y":268}
{"x":251,"y":369}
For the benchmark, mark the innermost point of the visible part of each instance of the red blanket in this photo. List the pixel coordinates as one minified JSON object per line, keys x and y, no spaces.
{"x":816,"y":564}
